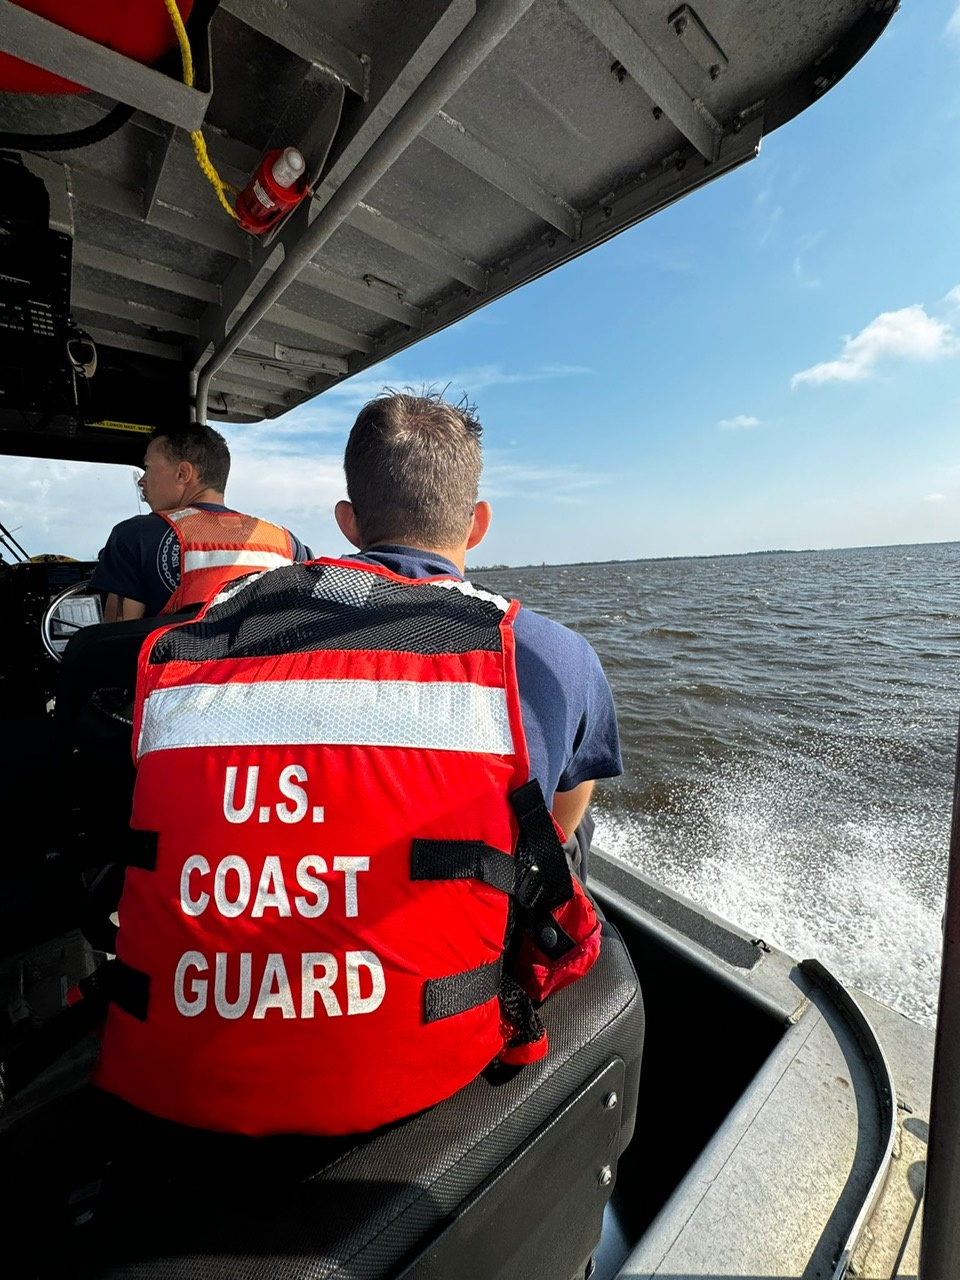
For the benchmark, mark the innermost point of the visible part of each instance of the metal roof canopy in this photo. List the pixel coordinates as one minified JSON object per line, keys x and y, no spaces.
{"x":462,"y":148}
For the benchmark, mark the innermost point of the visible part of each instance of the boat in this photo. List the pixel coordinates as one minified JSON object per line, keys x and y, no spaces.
{"x":711,"y":1107}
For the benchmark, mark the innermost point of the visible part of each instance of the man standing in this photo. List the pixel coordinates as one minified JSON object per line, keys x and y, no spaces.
{"x":192,"y":543}
{"x":357,"y":894}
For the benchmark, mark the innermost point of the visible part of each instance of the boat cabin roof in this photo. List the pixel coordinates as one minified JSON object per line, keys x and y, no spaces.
{"x":456,"y":149}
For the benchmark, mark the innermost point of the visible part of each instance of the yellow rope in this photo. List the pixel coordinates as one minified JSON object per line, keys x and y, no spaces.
{"x":199,"y":146}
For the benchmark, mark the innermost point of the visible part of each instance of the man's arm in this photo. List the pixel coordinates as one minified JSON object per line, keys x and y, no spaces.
{"x":135,"y":572}
{"x":122,"y":609}
{"x":570,"y":806}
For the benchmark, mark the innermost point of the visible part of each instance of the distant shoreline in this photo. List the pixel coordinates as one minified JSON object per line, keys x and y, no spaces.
{"x":713,"y":555}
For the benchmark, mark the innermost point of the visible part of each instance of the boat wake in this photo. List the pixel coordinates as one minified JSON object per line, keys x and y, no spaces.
{"x":860,"y":893}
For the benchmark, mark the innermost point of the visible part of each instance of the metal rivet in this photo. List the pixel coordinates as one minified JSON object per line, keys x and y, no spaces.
{"x":610,"y":1101}
{"x":548,"y":937}
{"x":606,"y":1176}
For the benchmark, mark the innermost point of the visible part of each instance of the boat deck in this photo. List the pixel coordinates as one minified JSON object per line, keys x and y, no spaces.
{"x":817,"y":1169}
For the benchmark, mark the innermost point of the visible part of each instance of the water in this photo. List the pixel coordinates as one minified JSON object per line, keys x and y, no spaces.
{"x":788,"y":724}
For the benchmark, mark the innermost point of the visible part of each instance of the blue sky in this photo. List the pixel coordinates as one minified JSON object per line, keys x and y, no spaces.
{"x":772,"y":363}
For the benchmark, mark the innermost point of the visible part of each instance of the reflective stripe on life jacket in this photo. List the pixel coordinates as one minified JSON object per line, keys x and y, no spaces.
{"x":326,"y":758}
{"x":218,"y":546}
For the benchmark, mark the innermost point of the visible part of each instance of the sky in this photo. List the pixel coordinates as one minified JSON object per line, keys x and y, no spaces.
{"x":772,"y":363}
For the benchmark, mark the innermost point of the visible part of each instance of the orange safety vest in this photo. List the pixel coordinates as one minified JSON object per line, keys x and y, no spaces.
{"x":218,"y":546}
{"x":317,"y":944}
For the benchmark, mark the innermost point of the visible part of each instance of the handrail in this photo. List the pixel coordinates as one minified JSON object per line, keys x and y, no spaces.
{"x":940,"y":1241}
{"x":886,"y":1096}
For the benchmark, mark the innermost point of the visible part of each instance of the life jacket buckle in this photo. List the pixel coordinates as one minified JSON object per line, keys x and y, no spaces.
{"x":530,"y":887}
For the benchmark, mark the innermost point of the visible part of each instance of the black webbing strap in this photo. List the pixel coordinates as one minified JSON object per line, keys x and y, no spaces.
{"x":544,"y":881}
{"x":130,"y":989}
{"x":139,"y":849}
{"x":517,"y":1009}
{"x":549,"y":937}
{"x":445,"y":997}
{"x":99,"y":845}
{"x":463,"y":860}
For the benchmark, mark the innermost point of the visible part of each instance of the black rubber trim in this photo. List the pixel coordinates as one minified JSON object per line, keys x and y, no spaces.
{"x":658,"y":902}
{"x":446,"y":997}
{"x":463,"y":860}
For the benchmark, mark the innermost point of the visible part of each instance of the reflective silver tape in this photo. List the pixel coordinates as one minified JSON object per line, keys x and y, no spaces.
{"x":449,"y":716}
{"x":194,"y":560}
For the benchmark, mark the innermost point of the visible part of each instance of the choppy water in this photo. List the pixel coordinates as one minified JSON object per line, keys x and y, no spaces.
{"x":789,"y":723}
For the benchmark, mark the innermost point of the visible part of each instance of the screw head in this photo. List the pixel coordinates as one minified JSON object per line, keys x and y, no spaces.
{"x":610,"y":1101}
{"x":606,"y":1176}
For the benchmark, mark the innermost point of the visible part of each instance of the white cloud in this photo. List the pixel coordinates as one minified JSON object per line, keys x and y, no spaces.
{"x":802,"y":277}
{"x":953,"y":297}
{"x":935,"y":497}
{"x":277,"y":472}
{"x":510,"y":479}
{"x":907,"y":334}
{"x":953,"y":26}
{"x":66,"y":508}
{"x":742,"y":422}
{"x":357,"y":391}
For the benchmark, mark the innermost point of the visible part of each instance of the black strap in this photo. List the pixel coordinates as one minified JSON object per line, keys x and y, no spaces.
{"x":544,"y":882}
{"x":463,"y":860}
{"x":445,"y":997}
{"x":518,"y":1010}
{"x":139,"y":849}
{"x":129,"y":989}
{"x":99,"y":845}
{"x":548,"y":936}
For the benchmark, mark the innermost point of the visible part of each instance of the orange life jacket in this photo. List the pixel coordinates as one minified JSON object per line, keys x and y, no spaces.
{"x":317,"y":946}
{"x":218,"y":546}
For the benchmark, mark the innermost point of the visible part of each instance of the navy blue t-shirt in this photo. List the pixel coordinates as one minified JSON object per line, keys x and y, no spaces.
{"x":141,"y":560}
{"x":566,"y":705}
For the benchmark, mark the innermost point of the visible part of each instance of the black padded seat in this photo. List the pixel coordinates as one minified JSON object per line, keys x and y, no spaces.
{"x":103,"y":656}
{"x":71,"y":775}
{"x":508,"y":1178}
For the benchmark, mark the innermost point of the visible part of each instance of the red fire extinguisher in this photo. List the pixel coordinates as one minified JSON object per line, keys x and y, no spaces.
{"x":279,"y":184}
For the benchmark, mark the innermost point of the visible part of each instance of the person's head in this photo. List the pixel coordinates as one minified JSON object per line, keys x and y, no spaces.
{"x":181,"y":463}
{"x":413,"y":466}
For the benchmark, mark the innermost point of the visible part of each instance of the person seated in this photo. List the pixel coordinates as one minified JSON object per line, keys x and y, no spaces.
{"x":191,"y":543}
{"x":354,"y":893}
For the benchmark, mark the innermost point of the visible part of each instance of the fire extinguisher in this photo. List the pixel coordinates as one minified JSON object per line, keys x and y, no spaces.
{"x":279,"y":184}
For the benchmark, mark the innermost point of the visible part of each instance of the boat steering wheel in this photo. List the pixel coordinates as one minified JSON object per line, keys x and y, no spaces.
{"x":56,"y":627}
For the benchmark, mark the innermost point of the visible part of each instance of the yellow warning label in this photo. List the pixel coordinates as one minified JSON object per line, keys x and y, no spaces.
{"x":123,"y":426}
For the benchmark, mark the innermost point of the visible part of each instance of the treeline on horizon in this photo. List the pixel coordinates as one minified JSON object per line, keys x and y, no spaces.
{"x":713,"y":555}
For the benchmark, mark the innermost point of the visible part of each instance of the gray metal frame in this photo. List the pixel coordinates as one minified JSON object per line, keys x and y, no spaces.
{"x":459,"y":148}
